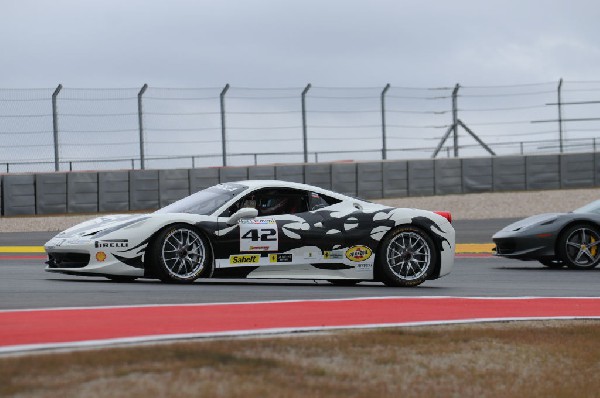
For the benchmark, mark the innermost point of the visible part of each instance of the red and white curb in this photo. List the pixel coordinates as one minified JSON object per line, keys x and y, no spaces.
{"x":40,"y":329}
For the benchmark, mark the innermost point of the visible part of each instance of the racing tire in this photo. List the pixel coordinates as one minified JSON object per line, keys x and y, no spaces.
{"x":553,"y":263}
{"x":579,"y":246}
{"x":407,"y":257}
{"x":179,"y":254}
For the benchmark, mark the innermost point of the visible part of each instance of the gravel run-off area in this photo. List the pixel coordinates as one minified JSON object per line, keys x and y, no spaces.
{"x":462,"y":207}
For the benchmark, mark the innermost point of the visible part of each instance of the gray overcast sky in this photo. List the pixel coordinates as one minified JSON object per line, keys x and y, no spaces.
{"x":268,"y":43}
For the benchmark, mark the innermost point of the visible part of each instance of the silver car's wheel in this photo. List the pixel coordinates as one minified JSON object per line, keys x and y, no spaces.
{"x":179,"y":254}
{"x":407,"y":257}
{"x":579,"y":247}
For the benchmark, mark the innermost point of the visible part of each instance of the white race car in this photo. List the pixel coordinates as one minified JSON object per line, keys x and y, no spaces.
{"x":261,"y":229}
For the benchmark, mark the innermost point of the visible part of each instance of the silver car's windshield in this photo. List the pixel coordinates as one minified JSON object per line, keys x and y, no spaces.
{"x":205,"y":202}
{"x":593,"y":207}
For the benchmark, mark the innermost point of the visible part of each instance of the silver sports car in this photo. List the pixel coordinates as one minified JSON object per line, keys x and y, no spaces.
{"x":555,"y":239}
{"x":261,"y":229}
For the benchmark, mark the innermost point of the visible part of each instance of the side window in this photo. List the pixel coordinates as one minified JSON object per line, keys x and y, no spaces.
{"x":272,"y":201}
{"x":317,"y":201}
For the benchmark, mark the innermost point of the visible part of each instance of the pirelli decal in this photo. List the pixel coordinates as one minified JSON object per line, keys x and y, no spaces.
{"x":244,"y":259}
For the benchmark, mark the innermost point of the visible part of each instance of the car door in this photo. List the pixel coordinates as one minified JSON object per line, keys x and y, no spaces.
{"x":282,"y":226}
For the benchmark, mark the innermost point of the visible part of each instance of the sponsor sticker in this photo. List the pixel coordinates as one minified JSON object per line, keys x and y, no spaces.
{"x":100,"y":256}
{"x":244,"y":259}
{"x":309,"y":256}
{"x":333,"y":255}
{"x":364,"y":266}
{"x":258,"y":248}
{"x":358,"y":253}
{"x":280,"y":258}
{"x":113,"y":243}
{"x":257,"y":221}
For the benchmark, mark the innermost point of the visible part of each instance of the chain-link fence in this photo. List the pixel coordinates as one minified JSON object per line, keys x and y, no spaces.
{"x":149,"y":127}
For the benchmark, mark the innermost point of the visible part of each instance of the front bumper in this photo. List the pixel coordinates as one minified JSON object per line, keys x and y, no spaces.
{"x":77,"y":256}
{"x":524,"y":247}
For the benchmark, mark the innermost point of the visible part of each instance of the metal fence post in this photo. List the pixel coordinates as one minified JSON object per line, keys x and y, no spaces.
{"x":141,"y":126}
{"x":304,"y":132}
{"x":55,"y":126}
{"x":223,"y":131}
{"x":455,"y":118}
{"x":560,"y":126}
{"x":383,"y":132}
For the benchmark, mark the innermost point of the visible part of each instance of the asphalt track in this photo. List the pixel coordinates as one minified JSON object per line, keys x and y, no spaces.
{"x":24,"y":286}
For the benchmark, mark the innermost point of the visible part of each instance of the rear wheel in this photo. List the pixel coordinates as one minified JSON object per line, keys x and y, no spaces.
{"x":406,"y":257}
{"x":578,"y":247}
{"x":179,"y":254}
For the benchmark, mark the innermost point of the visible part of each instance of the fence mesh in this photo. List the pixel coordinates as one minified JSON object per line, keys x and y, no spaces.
{"x":100,"y":128}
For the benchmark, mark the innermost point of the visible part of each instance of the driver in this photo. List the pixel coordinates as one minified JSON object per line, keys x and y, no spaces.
{"x":273,"y":206}
{"x":249,"y":202}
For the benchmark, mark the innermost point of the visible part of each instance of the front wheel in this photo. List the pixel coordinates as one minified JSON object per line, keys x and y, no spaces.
{"x":406,"y":257}
{"x":179,"y":254}
{"x":578,"y":247}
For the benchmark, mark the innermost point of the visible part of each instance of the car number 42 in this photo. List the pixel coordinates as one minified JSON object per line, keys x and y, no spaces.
{"x":258,"y":238}
{"x":265,"y":234}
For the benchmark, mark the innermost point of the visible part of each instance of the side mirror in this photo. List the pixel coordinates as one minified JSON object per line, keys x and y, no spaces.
{"x":245,"y":212}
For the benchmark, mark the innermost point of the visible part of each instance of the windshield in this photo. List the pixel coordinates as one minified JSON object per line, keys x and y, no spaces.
{"x":205,"y":202}
{"x":593,"y":207}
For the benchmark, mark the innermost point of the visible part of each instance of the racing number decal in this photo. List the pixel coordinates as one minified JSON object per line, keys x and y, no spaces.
{"x":258,"y":235}
{"x":266,"y":234}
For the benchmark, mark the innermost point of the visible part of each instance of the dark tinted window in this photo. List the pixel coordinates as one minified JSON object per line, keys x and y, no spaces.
{"x":272,"y":201}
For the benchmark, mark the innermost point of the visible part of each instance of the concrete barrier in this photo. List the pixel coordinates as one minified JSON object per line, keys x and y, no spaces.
{"x":318,"y":175}
{"x":51,"y":193}
{"x":261,"y":173}
{"x":370,"y":180}
{"x":113,"y":191}
{"x":18,"y":192}
{"x":117,"y":191}
{"x":173,"y":185}
{"x":542,"y":172}
{"x":477,"y":175}
{"x":421,"y":178}
{"x":203,"y":178}
{"x":82,"y":189}
{"x":509,"y":173}
{"x":448,"y":176}
{"x":292,"y":173}
{"x":395,"y":179}
{"x":143,"y":190}
{"x":577,"y":170}
{"x":231,"y":174}
{"x":343,"y":178}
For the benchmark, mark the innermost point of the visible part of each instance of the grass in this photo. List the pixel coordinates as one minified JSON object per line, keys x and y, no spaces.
{"x":524,"y":359}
